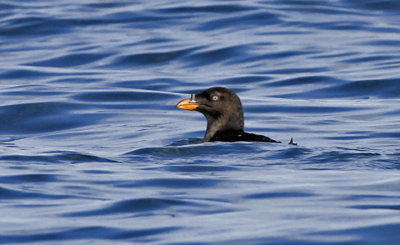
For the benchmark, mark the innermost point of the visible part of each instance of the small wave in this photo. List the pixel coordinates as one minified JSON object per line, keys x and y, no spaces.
{"x":8,"y":6}
{"x":239,"y":22}
{"x":305,"y":80}
{"x":150,"y":58}
{"x":295,"y":71}
{"x":375,"y":5}
{"x":372,"y":234}
{"x":279,"y":194}
{"x":207,"y":57}
{"x":303,"y":109}
{"x":55,"y":157}
{"x":275,"y":56}
{"x":343,"y":158}
{"x":190,"y":141}
{"x":93,"y":233}
{"x":383,"y":43}
{"x":240,"y":79}
{"x":9,"y":193}
{"x":377,"y":207}
{"x":384,"y":88}
{"x":25,"y":74}
{"x":338,"y":25}
{"x":196,"y":150}
{"x":35,"y":26}
{"x":118,"y":96}
{"x":157,"y":84}
{"x":17,"y":179}
{"x":43,"y":117}
{"x":133,"y":206}
{"x":172,"y":183}
{"x":394,"y":134}
{"x":212,"y":8}
{"x":372,"y":59}
{"x":74,"y":157}
{"x":291,"y":153}
{"x":199,"y":167}
{"x":70,"y":60}
{"x":136,"y":18}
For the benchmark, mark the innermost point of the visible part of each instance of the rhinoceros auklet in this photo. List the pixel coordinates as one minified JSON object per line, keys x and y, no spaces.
{"x":224,"y":113}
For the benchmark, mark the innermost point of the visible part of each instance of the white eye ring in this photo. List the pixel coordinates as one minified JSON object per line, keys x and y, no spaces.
{"x":215,"y":97}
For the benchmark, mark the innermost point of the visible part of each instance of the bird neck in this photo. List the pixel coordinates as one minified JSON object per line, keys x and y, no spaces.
{"x":220,"y":124}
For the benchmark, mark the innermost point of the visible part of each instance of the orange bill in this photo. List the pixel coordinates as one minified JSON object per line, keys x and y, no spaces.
{"x":187,"y":104}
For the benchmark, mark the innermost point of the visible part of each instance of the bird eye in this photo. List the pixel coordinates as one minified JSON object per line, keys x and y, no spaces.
{"x":214,"y":98}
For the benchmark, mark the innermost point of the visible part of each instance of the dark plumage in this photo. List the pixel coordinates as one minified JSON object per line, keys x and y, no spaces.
{"x":224,"y":113}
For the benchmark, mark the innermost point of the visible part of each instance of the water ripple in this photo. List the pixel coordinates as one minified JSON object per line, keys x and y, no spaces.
{"x":92,"y":232}
{"x":132,"y":206}
{"x":385,"y":88}
{"x":16,"y":179}
{"x":117,"y":96}
{"x":151,"y":58}
{"x":35,"y":26}
{"x":214,"y":8}
{"x":43,"y":117}
{"x":55,"y":157}
{"x":172,"y":183}
{"x":75,"y":59}
{"x":245,"y":20}
{"x":8,"y":193}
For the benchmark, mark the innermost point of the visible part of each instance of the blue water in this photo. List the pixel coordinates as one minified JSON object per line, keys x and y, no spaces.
{"x":93,"y":150}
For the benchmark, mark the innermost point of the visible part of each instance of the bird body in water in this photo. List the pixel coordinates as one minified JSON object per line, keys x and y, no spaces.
{"x":224,"y":113}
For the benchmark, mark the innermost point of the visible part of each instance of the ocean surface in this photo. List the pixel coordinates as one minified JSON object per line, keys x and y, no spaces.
{"x":93,"y":150}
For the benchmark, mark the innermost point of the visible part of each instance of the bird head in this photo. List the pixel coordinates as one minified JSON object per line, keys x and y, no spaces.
{"x":221,"y":107}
